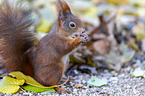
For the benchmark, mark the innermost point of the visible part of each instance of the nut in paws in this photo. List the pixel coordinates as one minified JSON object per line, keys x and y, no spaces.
{"x":84,"y":38}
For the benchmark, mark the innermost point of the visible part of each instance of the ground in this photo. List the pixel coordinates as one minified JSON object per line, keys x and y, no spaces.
{"x":119,"y":84}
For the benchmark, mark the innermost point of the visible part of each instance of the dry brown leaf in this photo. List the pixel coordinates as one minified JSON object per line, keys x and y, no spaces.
{"x":101,"y":46}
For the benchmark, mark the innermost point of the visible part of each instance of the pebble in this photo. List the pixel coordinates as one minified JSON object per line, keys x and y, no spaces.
{"x":134,"y":66}
{"x":85,"y":87}
{"x":98,"y":89}
{"x":121,"y":76}
{"x":84,"y":81}
{"x":113,"y":79}
{"x":106,"y":71}
{"x":128,"y":69}
{"x":79,"y":85}
{"x":28,"y":94}
{"x":76,"y":72}
{"x":74,"y":90}
{"x":113,"y":73}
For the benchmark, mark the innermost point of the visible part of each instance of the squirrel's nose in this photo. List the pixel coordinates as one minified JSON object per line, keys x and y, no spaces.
{"x":81,"y":30}
{"x":84,"y":31}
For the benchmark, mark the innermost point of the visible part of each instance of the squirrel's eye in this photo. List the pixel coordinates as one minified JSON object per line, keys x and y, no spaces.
{"x":72,"y":25}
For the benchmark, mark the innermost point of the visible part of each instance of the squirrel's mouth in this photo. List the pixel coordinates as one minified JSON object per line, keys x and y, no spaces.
{"x":78,"y":33}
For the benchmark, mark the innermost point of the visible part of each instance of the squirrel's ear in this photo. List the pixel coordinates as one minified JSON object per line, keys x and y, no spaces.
{"x":63,"y":6}
{"x":61,"y":15}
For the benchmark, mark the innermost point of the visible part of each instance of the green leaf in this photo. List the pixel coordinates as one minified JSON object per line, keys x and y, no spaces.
{"x":10,"y":85}
{"x":127,"y":56}
{"x":127,"y":53}
{"x":113,"y":60}
{"x":123,"y":47}
{"x":74,"y":60}
{"x":37,"y":89}
{"x":138,"y":72}
{"x":97,"y":82}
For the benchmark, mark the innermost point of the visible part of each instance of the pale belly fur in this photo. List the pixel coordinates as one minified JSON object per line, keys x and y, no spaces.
{"x":65,"y":61}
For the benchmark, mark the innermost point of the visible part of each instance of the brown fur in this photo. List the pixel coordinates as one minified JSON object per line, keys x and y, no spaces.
{"x":16,"y":37}
{"x":53,"y":47}
{"x":17,"y":43}
{"x":49,"y":71}
{"x":62,"y":5}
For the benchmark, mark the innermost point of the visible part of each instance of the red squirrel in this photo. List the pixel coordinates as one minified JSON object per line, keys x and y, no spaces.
{"x":49,"y":61}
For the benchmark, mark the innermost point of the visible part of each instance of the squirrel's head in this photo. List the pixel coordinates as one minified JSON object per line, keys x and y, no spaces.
{"x":66,"y":20}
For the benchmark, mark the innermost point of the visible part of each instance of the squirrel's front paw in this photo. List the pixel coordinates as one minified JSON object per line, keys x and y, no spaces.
{"x":84,"y":38}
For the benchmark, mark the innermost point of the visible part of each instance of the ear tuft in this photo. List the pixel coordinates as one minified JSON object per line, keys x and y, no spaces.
{"x":62,"y":5}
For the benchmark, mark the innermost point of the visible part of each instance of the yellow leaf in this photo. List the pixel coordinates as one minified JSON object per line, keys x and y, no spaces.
{"x":91,"y":12}
{"x":44,"y":26}
{"x":29,"y":80}
{"x":117,"y":2}
{"x":10,"y":85}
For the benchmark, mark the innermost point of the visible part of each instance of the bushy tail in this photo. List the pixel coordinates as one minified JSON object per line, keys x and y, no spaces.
{"x":15,"y":36}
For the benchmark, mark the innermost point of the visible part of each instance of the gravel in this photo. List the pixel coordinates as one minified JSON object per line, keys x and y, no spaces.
{"x":119,"y":84}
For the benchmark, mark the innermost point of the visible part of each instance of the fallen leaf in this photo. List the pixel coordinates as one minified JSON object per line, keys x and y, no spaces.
{"x":138,"y":72}
{"x":123,"y":47}
{"x":138,"y":30}
{"x":44,"y":26}
{"x":95,"y":81}
{"x":115,"y":59}
{"x":140,"y":36}
{"x":101,"y":47}
{"x":133,"y":45}
{"x":29,"y":80}
{"x":37,"y":89}
{"x":91,"y":12}
{"x":48,"y":17}
{"x":127,"y":53}
{"x":127,"y":56}
{"x":76,"y":60}
{"x":10,"y":85}
{"x":138,"y":2}
{"x":90,"y":63}
{"x":117,"y":2}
